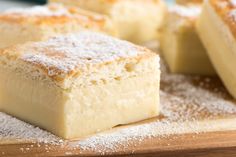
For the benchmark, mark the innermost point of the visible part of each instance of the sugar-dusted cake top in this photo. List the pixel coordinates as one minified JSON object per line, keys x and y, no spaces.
{"x":191,"y":11}
{"x":68,"y":56}
{"x":50,"y":14}
{"x":226,"y":9}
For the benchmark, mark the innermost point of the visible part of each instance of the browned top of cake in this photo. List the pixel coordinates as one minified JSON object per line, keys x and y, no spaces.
{"x":116,"y":1}
{"x":197,"y":1}
{"x":50,"y":15}
{"x":68,"y":56}
{"x":226,"y":9}
{"x":189,"y":1}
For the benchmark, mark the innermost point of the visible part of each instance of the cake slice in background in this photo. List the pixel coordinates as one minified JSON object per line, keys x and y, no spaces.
{"x":217,"y":29}
{"x":136,"y":20}
{"x":181,"y":46}
{"x":41,"y":22}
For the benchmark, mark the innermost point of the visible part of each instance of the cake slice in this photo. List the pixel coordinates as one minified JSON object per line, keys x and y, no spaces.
{"x":136,"y":20}
{"x":79,"y":84}
{"x":41,"y":22}
{"x":180,"y":43}
{"x":216,"y":27}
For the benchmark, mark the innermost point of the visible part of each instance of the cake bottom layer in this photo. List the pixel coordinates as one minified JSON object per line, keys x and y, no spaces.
{"x":80,"y":111}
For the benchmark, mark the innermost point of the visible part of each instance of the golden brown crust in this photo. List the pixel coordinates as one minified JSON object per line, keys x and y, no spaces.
{"x":68,"y":56}
{"x":113,"y":1}
{"x":52,"y":15}
{"x":101,"y":6}
{"x":186,"y":2}
{"x":226,"y":9}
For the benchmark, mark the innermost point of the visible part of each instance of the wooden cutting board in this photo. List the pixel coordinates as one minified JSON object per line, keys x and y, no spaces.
{"x":214,"y":144}
{"x":198,"y":119}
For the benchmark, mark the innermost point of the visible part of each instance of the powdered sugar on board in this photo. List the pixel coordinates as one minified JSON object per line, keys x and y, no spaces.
{"x":189,"y":105}
{"x":13,"y":130}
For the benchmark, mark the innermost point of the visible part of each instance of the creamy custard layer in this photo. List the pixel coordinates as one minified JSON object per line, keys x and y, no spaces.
{"x":32,"y":100}
{"x":111,"y":104}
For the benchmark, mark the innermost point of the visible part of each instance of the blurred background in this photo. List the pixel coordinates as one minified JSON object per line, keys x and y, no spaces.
{"x":5,"y":4}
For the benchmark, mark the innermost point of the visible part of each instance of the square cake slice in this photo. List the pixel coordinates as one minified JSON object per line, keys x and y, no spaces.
{"x":42,"y":22}
{"x":217,"y":29}
{"x":79,"y":84}
{"x":181,"y":46}
{"x":136,"y":20}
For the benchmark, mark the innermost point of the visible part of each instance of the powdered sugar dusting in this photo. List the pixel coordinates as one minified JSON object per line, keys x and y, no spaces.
{"x":186,"y":11}
{"x":12,"y":130}
{"x":52,"y":10}
{"x":198,"y":97}
{"x":187,"y":101}
{"x":78,"y":52}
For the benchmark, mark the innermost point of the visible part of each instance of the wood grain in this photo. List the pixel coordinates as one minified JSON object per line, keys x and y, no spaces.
{"x":215,"y":144}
